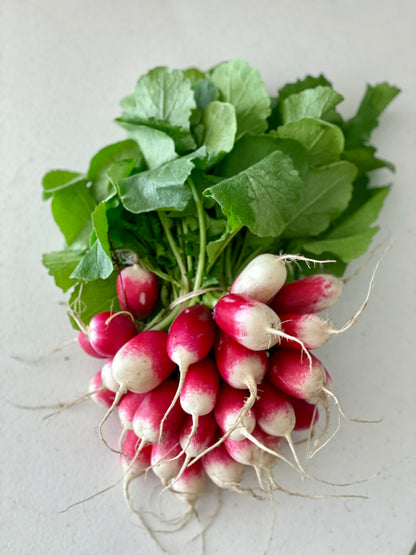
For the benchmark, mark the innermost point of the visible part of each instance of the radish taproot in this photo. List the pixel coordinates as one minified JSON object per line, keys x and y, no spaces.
{"x":137,"y":291}
{"x":167,"y":459}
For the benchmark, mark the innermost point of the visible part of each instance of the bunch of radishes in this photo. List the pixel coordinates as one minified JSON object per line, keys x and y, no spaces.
{"x":219,"y":389}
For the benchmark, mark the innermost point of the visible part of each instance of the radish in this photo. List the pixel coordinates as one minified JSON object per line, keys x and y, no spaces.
{"x":137,"y":291}
{"x":190,"y":486}
{"x":147,"y":418}
{"x":126,"y":409}
{"x":191,"y":337}
{"x":248,"y":453}
{"x":107,"y":332}
{"x":240,"y":367}
{"x":251,"y":323}
{"x":199,"y":392}
{"x":102,"y":395}
{"x":308,"y":295}
{"x":107,"y":376}
{"x":167,"y":459}
{"x":265,"y":275}
{"x":224,"y":471}
{"x":140,"y":366}
{"x":236,"y":420}
{"x":296,"y":377}
{"x":307,"y":414}
{"x":275,"y":415}
{"x":142,"y":363}
{"x":86,"y":346}
{"x":196,"y":441}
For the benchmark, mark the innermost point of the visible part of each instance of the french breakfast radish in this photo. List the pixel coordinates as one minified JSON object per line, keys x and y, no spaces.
{"x":307,"y":414}
{"x":250,"y":323}
{"x":140,"y":366}
{"x":126,"y":409}
{"x":147,"y":418}
{"x":86,"y":346}
{"x":308,"y":295}
{"x":167,"y":459}
{"x":290,"y":373}
{"x":108,"y":331}
{"x":190,"y":339}
{"x":275,"y":415}
{"x":240,"y":367}
{"x":224,"y":471}
{"x":107,"y":376}
{"x":100,"y":394}
{"x":200,"y":391}
{"x":137,"y":291}
{"x":265,"y":275}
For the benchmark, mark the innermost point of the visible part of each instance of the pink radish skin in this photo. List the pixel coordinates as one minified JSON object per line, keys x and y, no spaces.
{"x":203,"y":437}
{"x":304,"y":413}
{"x":275,"y":415}
{"x":200,"y":388}
{"x":167,"y":459}
{"x":103,"y":396}
{"x":107,"y":332}
{"x":142,"y":363}
{"x":107,"y":376}
{"x":311,"y":329}
{"x":147,"y":418}
{"x":127,"y":408}
{"x":247,"y":453}
{"x":137,"y":291}
{"x":224,"y":471}
{"x":249,"y":322}
{"x":190,"y":486}
{"x":292,"y":373}
{"x":141,"y":462}
{"x":239,"y":367}
{"x":308,"y":295}
{"x":87,"y":347}
{"x":227,"y":411}
{"x":191,"y":337}
{"x":262,"y":278}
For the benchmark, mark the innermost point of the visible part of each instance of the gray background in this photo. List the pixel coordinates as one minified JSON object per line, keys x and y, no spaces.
{"x":64,"y":67}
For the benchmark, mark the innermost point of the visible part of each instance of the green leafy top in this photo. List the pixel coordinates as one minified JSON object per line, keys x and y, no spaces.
{"x":214,"y":172}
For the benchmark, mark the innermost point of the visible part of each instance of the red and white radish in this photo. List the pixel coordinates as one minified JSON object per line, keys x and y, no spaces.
{"x":307,"y":414}
{"x":240,"y":367}
{"x":199,"y":392}
{"x":190,"y":339}
{"x":249,"y":453}
{"x":126,"y":410}
{"x":100,"y":394}
{"x":190,"y":486}
{"x":140,"y":366}
{"x":167,"y":459}
{"x":107,"y":376}
{"x":275,"y":415}
{"x":86,"y":346}
{"x":308,"y":295}
{"x":137,"y":291}
{"x":143,"y":363}
{"x":264,"y":276}
{"x":290,"y":373}
{"x":147,"y":418}
{"x":108,"y":331}
{"x":224,"y":471}
{"x":251,"y":323}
